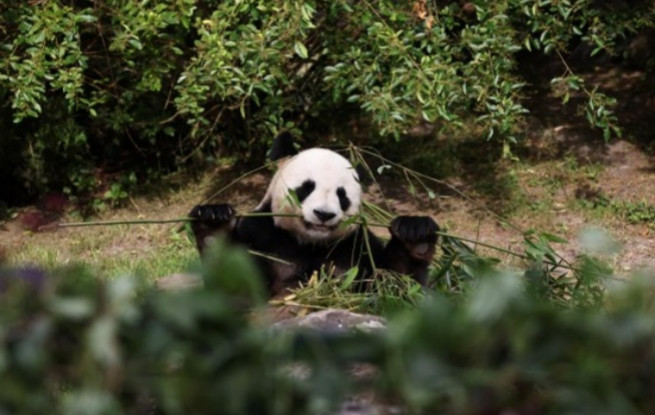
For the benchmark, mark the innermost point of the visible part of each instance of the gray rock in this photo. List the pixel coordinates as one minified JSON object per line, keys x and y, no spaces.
{"x":334,"y":321}
{"x":366,"y":407}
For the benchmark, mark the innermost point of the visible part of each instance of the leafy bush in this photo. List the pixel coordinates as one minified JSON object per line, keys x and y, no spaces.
{"x":148,"y":85}
{"x":71,"y":343}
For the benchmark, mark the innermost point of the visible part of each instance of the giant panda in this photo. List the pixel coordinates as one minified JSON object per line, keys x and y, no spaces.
{"x":315,"y":192}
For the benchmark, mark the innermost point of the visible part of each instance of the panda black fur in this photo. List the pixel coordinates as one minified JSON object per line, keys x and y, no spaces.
{"x":324,"y":188}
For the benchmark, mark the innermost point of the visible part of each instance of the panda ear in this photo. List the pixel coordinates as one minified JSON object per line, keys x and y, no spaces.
{"x":365,"y":178}
{"x":283,"y":146}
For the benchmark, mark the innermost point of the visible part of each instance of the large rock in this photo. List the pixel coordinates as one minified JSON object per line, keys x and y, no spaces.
{"x":334,"y":321}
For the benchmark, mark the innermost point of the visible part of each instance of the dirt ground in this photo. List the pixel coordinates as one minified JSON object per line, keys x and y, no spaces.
{"x":564,"y":171}
{"x":627,"y":175}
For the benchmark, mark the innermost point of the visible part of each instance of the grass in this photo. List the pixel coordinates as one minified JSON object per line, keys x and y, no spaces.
{"x":636,"y":212}
{"x":109,"y":253}
{"x":536,"y":194}
{"x":633,"y":213}
{"x":150,"y":251}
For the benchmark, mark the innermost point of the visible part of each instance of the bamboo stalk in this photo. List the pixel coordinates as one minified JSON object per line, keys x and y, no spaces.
{"x":260,"y":214}
{"x":154,"y":221}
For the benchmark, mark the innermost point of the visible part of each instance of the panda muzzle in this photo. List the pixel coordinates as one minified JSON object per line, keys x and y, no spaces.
{"x":319,"y":227}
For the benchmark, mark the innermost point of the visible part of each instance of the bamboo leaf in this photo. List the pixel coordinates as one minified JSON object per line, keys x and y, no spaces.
{"x":300,"y":50}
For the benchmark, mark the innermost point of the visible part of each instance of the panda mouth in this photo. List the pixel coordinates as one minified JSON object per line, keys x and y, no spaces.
{"x":319,"y":227}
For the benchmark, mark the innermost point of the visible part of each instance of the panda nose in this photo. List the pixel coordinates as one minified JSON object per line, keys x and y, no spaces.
{"x":323,"y":216}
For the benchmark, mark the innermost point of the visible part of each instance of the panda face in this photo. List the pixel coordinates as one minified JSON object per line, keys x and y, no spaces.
{"x":322,"y":188}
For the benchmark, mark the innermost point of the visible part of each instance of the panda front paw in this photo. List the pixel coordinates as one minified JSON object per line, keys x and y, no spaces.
{"x":417,"y":233}
{"x":209,"y":221}
{"x":216,"y":215}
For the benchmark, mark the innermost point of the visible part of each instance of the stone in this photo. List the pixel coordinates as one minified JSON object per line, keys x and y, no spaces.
{"x":334,"y":321}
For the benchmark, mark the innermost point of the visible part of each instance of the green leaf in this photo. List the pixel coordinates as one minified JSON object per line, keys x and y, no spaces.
{"x":349,"y":277}
{"x":85,"y":18}
{"x":300,"y":50}
{"x":102,"y":342}
{"x":230,"y":270}
{"x":292,"y":199}
{"x":74,"y":308}
{"x":553,"y":238}
{"x":382,"y":168}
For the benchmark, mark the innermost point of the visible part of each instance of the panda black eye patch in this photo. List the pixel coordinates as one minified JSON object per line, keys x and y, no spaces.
{"x":344,"y":202}
{"x":304,"y":190}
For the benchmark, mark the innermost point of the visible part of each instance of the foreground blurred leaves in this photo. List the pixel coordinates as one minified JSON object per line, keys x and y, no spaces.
{"x":70,"y":343}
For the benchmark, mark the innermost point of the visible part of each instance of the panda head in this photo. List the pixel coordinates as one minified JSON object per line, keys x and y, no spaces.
{"x":319,"y":190}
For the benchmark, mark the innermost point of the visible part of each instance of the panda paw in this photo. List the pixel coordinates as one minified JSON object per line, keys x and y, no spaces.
{"x":209,"y":221}
{"x":417,"y":233}
{"x":213,"y":215}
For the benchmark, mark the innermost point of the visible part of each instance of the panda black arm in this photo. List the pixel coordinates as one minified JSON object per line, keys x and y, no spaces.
{"x":211,"y":220}
{"x":411,"y":247}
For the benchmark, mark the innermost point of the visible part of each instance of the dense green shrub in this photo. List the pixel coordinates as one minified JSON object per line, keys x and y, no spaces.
{"x":147,"y":85}
{"x":72,"y":344}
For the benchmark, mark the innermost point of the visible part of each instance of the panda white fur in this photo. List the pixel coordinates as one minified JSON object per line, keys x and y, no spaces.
{"x":326,"y":192}
{"x":315,"y":192}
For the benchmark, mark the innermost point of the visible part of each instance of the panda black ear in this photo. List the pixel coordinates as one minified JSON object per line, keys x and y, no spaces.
{"x":365,"y":178}
{"x":283,"y":146}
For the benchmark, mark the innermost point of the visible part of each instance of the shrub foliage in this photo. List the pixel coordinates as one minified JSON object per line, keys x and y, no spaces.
{"x":148,"y":84}
{"x":72,"y":344}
